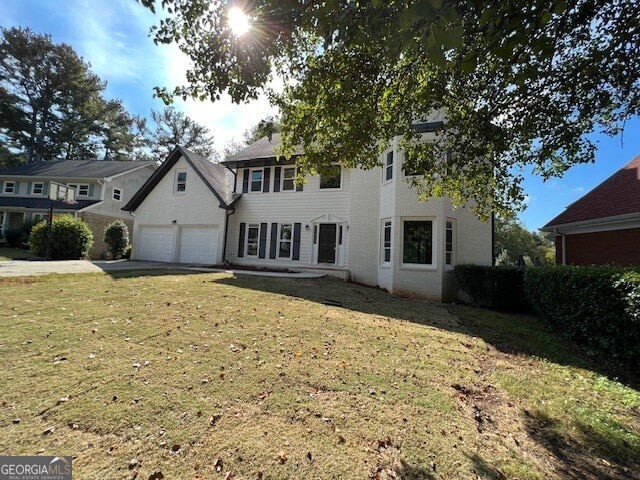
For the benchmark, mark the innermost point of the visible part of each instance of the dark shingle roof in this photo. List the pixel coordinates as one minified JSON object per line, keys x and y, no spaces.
{"x":263,"y":149}
{"x":73,"y":169}
{"x":44,"y":203}
{"x":218,"y":178}
{"x":617,"y":195}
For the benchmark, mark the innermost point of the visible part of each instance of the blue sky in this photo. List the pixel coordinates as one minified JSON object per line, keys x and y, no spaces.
{"x":112,"y":35}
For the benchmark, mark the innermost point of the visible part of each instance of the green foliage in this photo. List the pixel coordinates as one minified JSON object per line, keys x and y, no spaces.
{"x":116,"y":235}
{"x":513,"y":240}
{"x":19,"y":237}
{"x":71,"y":238}
{"x":518,"y":84}
{"x":596,"y":306}
{"x":174,"y":128}
{"x":501,"y":288}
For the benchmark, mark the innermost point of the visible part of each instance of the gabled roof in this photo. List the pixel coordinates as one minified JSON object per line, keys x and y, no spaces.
{"x":263,"y":150}
{"x":73,"y":169}
{"x":617,"y":195}
{"x":218,"y":178}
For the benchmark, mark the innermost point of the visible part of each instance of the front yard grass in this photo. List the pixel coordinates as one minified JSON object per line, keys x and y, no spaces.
{"x":215,"y":376}
{"x":11,"y":253}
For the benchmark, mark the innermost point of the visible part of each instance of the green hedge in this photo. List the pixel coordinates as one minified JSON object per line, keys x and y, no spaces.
{"x":71,"y":238}
{"x":501,"y":287}
{"x":596,"y":306}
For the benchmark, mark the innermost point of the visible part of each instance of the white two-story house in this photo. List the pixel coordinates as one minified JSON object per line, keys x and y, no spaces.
{"x":361,"y":225}
{"x":101,"y":189}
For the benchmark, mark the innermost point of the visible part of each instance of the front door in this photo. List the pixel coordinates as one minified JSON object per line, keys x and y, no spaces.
{"x":327,"y":243}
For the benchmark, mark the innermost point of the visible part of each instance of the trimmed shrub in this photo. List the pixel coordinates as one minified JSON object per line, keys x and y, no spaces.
{"x":501,"y":287}
{"x":71,"y":238}
{"x":596,"y":306}
{"x":116,"y":235}
{"x":19,"y":237}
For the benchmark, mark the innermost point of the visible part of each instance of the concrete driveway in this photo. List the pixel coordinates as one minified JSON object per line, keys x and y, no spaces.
{"x":20,"y":268}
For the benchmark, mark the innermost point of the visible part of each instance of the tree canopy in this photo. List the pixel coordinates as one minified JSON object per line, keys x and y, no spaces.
{"x":517,"y":84}
{"x":513,"y":241}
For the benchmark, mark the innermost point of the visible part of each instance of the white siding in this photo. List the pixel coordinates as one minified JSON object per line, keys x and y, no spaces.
{"x":129,"y":184}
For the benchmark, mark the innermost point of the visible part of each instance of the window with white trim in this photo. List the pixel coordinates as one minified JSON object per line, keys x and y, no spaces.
{"x":288,"y":178}
{"x":386,"y":241}
{"x":82,"y":189}
{"x":417,"y":242}
{"x":37,"y":188}
{"x":285,"y":239}
{"x":388,"y":167}
{"x":181,"y":182}
{"x":448,"y":243}
{"x":9,"y":187}
{"x":332,"y":178}
{"x":117,"y":194}
{"x":253,"y":237}
{"x":255,"y":180}
{"x":410,"y":168}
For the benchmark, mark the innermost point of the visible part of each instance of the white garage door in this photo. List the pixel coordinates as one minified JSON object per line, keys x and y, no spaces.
{"x":156,"y":243}
{"x":198,"y":245}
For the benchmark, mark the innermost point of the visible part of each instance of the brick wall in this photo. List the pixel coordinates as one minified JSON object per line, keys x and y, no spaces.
{"x":620,"y":247}
{"x":98,"y":223}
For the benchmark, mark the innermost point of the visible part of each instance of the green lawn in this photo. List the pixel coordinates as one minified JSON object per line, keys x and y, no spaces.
{"x":214,"y":376}
{"x":11,"y":253}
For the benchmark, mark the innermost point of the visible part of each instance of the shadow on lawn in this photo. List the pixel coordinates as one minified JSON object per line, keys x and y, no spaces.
{"x":513,"y":334}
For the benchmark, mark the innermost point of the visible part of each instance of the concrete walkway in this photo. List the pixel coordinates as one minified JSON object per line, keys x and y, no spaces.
{"x":23,"y":268}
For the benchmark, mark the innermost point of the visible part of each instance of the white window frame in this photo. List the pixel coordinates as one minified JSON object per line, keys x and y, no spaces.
{"x":248,"y":242}
{"x":385,"y":245}
{"x":285,"y":179}
{"x":113,"y":194}
{"x":39,"y":186}
{"x":282,"y":240}
{"x":387,"y":170}
{"x":320,"y":187}
{"x":420,"y":266}
{"x":180,"y":185}
{"x":79,"y":187}
{"x":6,"y":190}
{"x":251,"y":180}
{"x":449,"y":246}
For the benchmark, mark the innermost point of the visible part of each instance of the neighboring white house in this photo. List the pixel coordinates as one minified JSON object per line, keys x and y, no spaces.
{"x":361,"y":225}
{"x":101,"y":187}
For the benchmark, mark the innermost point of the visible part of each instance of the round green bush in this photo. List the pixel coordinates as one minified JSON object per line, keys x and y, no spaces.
{"x":71,"y":238}
{"x":116,"y":235}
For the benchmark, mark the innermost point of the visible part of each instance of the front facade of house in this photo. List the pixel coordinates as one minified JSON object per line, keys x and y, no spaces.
{"x":603,"y":226}
{"x":361,"y":225}
{"x":102,"y":188}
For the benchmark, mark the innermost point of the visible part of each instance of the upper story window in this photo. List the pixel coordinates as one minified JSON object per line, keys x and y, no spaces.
{"x":117,"y":194}
{"x":388,"y":167}
{"x":331,"y":178}
{"x":256,"y":180}
{"x":9,"y":187}
{"x":417,"y":242}
{"x":181,"y":182}
{"x":37,"y":188}
{"x":289,"y":178}
{"x":82,"y":189}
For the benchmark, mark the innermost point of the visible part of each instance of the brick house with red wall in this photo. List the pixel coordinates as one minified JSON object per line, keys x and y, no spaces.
{"x":602,"y":227}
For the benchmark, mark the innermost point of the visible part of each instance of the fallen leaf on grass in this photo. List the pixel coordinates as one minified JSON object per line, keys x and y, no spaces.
{"x":48,"y":431}
{"x":133,"y":463}
{"x":282,"y":456}
{"x":228,"y":475}
{"x":218,"y":465}
{"x":156,"y":476}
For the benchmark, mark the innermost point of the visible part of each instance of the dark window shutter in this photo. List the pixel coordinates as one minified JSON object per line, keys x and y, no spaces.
{"x":276,"y":179}
{"x":265,"y":179}
{"x":263,"y":241}
{"x":296,"y":241}
{"x":243,"y":228}
{"x":274,"y":240}
{"x":245,"y":181}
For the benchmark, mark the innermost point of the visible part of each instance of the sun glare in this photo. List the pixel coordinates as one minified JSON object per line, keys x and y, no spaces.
{"x":238,"y":21}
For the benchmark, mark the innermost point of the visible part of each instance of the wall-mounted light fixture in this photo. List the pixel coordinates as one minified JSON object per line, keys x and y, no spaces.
{"x":174,"y":222}
{"x":306,"y":227}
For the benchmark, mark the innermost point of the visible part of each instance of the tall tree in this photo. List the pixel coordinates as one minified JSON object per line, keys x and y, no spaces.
{"x":49,"y":99}
{"x":513,"y":240}
{"x":173,"y":128}
{"x":123,"y":136}
{"x":265,"y":127}
{"x":519,"y":83}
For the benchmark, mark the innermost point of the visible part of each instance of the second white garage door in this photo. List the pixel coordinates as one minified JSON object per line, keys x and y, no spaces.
{"x":198,"y":245}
